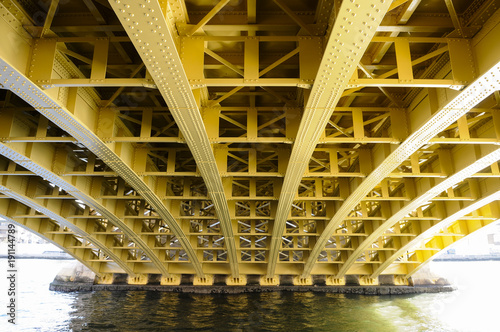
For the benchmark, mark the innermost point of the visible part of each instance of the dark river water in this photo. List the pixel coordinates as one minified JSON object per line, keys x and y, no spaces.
{"x":473,"y":307}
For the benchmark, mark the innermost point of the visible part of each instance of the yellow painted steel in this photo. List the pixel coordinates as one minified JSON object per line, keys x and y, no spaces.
{"x":25,"y":192}
{"x":251,"y":138}
{"x":330,"y":82}
{"x":181,"y":101}
{"x":450,"y":182}
{"x":437,"y":230}
{"x":459,"y":230}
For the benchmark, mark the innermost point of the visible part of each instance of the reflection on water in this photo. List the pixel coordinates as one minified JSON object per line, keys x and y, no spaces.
{"x":472,"y":308}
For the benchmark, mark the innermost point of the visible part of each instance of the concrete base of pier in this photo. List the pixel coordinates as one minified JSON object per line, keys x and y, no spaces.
{"x":78,"y":278}
{"x":73,"y":277}
{"x":360,"y":290}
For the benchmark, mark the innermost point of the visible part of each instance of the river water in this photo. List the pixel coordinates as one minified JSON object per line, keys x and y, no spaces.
{"x":473,"y":307}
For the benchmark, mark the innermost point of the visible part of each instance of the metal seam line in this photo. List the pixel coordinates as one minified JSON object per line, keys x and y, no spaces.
{"x":343,"y":51}
{"x":419,"y":201}
{"x":158,"y":51}
{"x":461,"y":104}
{"x":88,"y":200}
{"x":33,"y":95}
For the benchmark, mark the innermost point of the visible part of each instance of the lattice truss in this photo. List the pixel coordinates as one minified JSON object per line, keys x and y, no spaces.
{"x":250,"y":137}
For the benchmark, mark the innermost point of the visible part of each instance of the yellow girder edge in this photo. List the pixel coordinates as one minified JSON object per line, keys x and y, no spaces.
{"x":344,"y":46}
{"x":417,"y":202}
{"x":486,"y":84}
{"x":436,"y":229}
{"x":158,"y":51}
{"x":48,"y":107}
{"x":14,"y":194}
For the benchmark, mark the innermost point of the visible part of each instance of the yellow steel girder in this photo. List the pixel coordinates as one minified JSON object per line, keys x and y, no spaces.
{"x":281,"y":148}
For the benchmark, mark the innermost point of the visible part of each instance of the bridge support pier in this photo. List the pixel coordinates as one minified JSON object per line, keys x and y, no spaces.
{"x":139,"y":279}
{"x":207,"y":280}
{"x":240,"y":281}
{"x":171,"y":280}
{"x":393,"y":280}
{"x":265,"y":281}
{"x":299,"y":281}
{"x":333,"y":281}
{"x":79,"y":278}
{"x":367,"y":281}
{"x":105,"y":279}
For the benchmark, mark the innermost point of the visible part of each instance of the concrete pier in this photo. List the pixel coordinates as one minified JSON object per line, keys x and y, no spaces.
{"x":79,"y":278}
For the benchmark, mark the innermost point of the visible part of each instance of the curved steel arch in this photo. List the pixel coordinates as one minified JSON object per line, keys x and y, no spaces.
{"x":465,"y":228}
{"x":331,"y":80}
{"x":435,"y":229}
{"x":51,"y":109}
{"x":51,"y":238}
{"x":19,"y":197}
{"x":457,"y":107}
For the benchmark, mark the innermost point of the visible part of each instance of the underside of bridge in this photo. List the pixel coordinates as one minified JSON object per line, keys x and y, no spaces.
{"x":250,"y":137}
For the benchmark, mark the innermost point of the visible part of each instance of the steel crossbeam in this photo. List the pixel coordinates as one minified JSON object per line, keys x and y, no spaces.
{"x":436,"y":229}
{"x":14,"y":188}
{"x":450,"y":112}
{"x":80,"y":128}
{"x":173,"y":85}
{"x":331,"y":80}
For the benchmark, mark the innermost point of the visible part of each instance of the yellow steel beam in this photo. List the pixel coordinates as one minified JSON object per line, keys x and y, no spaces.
{"x":454,"y":17}
{"x":252,"y":11}
{"x":406,"y":12}
{"x":331,"y":80}
{"x":104,"y":82}
{"x":80,"y":123}
{"x":327,"y":139}
{"x":293,"y":16}
{"x":175,"y":89}
{"x":453,"y":110}
{"x":436,"y":229}
{"x":224,"y":62}
{"x":49,"y":17}
{"x":208,"y":17}
{"x":40,"y":228}
{"x":452,"y":180}
{"x":101,"y":20}
{"x":13,"y":187}
{"x":288,"y":82}
{"x":459,"y":52}
{"x":396,"y":3}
